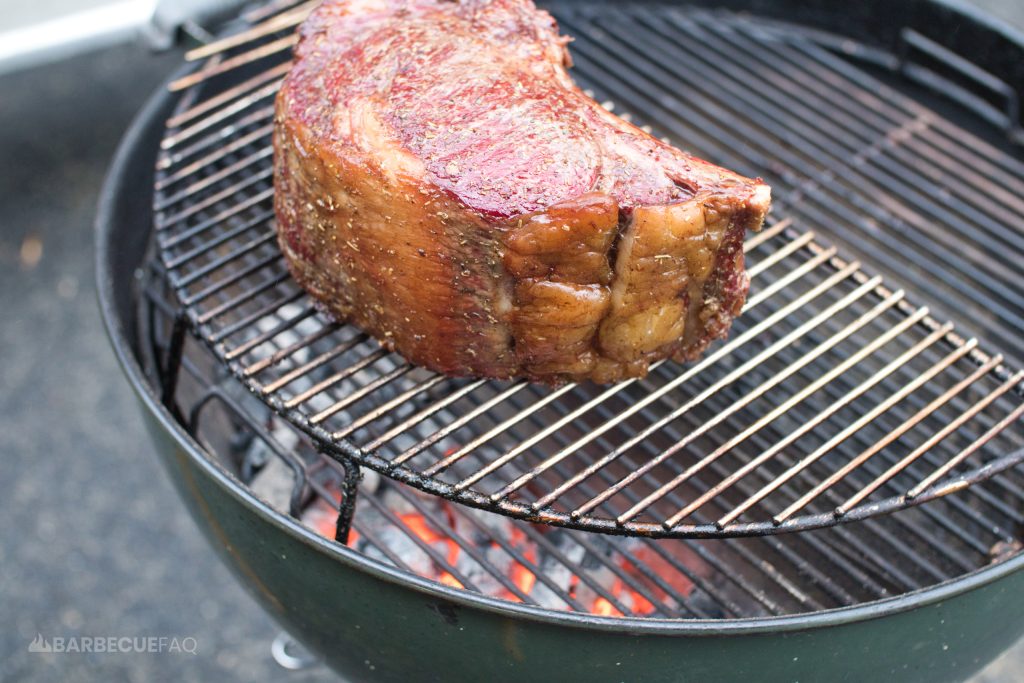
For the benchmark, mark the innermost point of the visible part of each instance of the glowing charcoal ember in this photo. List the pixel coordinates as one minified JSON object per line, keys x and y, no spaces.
{"x":493,"y":554}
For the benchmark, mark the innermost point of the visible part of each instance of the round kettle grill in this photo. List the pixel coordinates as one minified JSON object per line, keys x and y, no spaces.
{"x":846,"y":455}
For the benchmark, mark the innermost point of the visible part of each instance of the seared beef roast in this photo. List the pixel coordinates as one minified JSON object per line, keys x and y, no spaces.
{"x":442,"y":184}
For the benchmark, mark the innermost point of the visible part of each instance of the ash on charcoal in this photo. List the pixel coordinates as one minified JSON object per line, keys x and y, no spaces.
{"x":498,"y":526}
{"x":370,"y":482}
{"x":285,"y":437}
{"x":293,"y":334}
{"x":272,"y":478}
{"x":401,"y":504}
{"x":339,"y":388}
{"x":556,"y":572}
{"x":272,"y":483}
{"x":601,"y":576}
{"x":401,"y":545}
{"x":483,"y":580}
{"x":563,"y":565}
{"x":345,"y":388}
{"x":321,"y":517}
{"x":487,"y":526}
{"x":705,"y":605}
{"x":410,"y":439}
{"x":370,"y":522}
{"x":597,"y":560}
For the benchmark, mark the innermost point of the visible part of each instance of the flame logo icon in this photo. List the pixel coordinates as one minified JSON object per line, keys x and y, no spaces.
{"x":40,"y":644}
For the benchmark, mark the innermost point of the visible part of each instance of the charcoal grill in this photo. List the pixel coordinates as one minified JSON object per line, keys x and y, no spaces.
{"x":845,"y":455}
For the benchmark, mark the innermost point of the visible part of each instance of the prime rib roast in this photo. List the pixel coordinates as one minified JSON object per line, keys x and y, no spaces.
{"x":443,"y":184}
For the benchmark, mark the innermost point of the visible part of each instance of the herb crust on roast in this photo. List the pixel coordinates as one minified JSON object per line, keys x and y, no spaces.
{"x":442,"y":183}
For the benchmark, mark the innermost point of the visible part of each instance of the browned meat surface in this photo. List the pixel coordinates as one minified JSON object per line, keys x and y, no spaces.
{"x":443,"y":184}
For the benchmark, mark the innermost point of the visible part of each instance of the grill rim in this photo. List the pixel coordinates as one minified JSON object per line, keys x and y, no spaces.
{"x":117,"y":300}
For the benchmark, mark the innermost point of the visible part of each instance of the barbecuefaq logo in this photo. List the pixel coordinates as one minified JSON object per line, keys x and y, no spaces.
{"x":115,"y":644}
{"x":40,"y":644}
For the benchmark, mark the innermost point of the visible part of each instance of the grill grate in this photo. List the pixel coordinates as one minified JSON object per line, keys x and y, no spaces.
{"x":835,"y":399}
{"x":674,"y":578}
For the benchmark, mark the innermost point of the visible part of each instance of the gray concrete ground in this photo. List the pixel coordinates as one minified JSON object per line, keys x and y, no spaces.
{"x":74,"y":558}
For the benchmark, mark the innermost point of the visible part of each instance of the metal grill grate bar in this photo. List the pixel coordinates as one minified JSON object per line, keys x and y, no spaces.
{"x":761,"y":565}
{"x":199,"y":165}
{"x":846,"y":469}
{"x":1012,"y":383}
{"x":889,"y":402}
{"x":217,"y":102}
{"x":834,"y":165}
{"x":217,"y":67}
{"x":892,"y":437}
{"x":793,"y":401}
{"x":285,"y":20}
{"x":752,"y":395}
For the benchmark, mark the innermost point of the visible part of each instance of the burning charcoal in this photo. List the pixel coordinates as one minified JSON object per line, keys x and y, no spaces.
{"x":600,"y":576}
{"x":544,"y":597}
{"x":321,"y":517}
{"x":498,"y":526}
{"x":395,"y":502}
{"x":482,"y":579}
{"x":597,"y":561}
{"x":286,"y":437}
{"x":399,"y":499}
{"x":370,"y":482}
{"x":274,"y":481}
{"x":500,"y":558}
{"x":293,"y":334}
{"x":573,"y":552}
{"x":446,"y":548}
{"x":705,"y":605}
{"x":464,"y":528}
{"x":557,"y":572}
{"x":401,"y":545}
{"x":508,"y":553}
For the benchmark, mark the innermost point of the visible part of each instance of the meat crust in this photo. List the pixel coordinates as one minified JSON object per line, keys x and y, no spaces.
{"x":441,"y":183}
